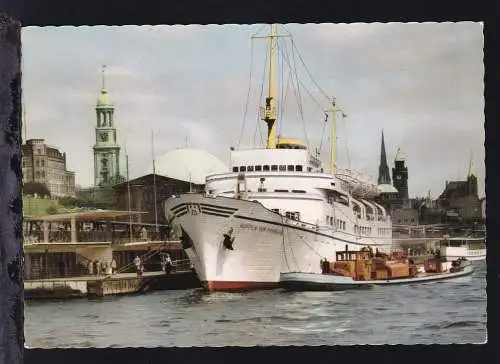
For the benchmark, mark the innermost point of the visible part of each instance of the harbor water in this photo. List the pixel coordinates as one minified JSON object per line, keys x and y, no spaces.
{"x":428,"y":313}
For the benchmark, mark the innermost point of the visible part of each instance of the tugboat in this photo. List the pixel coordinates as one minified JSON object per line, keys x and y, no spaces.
{"x":363,"y":269}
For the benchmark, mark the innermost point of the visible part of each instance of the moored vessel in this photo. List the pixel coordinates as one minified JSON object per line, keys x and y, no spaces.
{"x":276,"y":210}
{"x":361,"y":269}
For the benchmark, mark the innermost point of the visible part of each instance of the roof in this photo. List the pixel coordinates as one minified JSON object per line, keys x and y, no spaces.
{"x":291,"y":141}
{"x":387,"y":188}
{"x":85,"y":215}
{"x":189,"y":165}
{"x":103,"y":99}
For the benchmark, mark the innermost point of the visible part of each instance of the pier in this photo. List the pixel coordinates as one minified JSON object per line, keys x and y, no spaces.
{"x":92,"y":253}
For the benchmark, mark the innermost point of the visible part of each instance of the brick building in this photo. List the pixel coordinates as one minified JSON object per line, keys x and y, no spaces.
{"x":42,"y":163}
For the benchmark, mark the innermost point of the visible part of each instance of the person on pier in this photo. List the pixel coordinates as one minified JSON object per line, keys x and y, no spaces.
{"x":137,"y":263}
{"x":98,"y":267}
{"x":113,"y":266}
{"x":168,"y":264}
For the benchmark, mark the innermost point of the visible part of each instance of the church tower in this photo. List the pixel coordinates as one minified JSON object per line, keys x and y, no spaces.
{"x":384,"y":177}
{"x":400,"y":176}
{"x":106,"y":148}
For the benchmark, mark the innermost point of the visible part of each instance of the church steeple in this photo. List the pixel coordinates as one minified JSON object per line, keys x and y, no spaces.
{"x":106,"y":148}
{"x":472,"y":170}
{"x":384,"y":177}
{"x":471,"y":178}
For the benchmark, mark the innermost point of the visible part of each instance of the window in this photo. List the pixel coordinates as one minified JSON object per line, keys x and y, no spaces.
{"x":43,"y":163}
{"x":265,"y":168}
{"x":298,"y":191}
{"x":309,"y":169}
{"x":37,"y":163}
{"x":235,"y":169}
{"x":24,"y":164}
{"x":250,"y":168}
{"x":282,"y":167}
{"x":243,"y":169}
{"x":298,"y":168}
{"x":280,"y":190}
{"x":274,"y":167}
{"x":291,"y":168}
{"x":258,"y":168}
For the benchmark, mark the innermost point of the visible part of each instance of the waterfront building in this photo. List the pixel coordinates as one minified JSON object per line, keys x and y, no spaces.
{"x":178,"y":171}
{"x":106,"y":147}
{"x":45,"y":164}
{"x":459,"y":201}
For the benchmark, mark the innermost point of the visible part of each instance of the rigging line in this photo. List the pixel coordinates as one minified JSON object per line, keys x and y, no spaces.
{"x":260,"y":100}
{"x":320,"y":107}
{"x":307,"y":70}
{"x":293,"y":84}
{"x":346,"y":142}
{"x":285,"y":97}
{"x":305,"y":242}
{"x":282,"y":88}
{"x":284,"y":244}
{"x":323,"y":134}
{"x":290,"y":244}
{"x":248,"y":93}
{"x":300,"y":97}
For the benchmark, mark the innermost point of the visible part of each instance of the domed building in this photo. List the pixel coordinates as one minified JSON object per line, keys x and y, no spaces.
{"x":188,"y":165}
{"x":177,"y":171}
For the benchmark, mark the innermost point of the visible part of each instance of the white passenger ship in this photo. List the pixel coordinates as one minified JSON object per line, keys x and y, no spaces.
{"x":277,"y":210}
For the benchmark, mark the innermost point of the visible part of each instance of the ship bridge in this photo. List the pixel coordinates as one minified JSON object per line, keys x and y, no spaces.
{"x":290,"y":155}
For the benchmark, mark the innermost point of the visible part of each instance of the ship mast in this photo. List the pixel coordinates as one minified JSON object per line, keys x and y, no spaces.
{"x":269,"y":115}
{"x":334,"y":111}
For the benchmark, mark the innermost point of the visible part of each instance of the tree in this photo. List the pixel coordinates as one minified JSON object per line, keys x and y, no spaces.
{"x":31,"y":188}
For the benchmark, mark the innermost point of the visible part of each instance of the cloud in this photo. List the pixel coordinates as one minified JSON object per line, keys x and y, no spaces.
{"x":421,"y":83}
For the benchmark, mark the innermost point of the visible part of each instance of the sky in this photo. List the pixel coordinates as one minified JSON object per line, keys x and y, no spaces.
{"x":422,"y":84}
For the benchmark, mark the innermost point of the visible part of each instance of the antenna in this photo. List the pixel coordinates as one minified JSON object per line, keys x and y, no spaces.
{"x":154,"y":177}
{"x":103,"y":68}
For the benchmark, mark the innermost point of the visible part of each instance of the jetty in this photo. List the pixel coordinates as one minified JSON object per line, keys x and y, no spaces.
{"x":94,"y":253}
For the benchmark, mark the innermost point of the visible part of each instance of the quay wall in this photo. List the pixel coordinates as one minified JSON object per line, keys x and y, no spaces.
{"x":52,"y":285}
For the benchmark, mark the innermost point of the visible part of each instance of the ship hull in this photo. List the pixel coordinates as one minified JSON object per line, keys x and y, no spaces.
{"x":304,"y":247}
{"x":230,"y":248}
{"x":265,"y":243}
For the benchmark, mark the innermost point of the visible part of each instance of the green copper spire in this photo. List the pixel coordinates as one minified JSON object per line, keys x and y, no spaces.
{"x":103,"y":100}
{"x":399,"y":156}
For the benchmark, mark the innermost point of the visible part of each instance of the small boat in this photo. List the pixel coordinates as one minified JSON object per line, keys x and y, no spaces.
{"x":361,"y":269}
{"x":472,"y":248}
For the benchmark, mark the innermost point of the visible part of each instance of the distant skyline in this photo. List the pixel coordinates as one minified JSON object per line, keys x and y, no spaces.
{"x":421,"y":83}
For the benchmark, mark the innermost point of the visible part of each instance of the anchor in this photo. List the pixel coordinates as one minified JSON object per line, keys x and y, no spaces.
{"x":228,"y":239}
